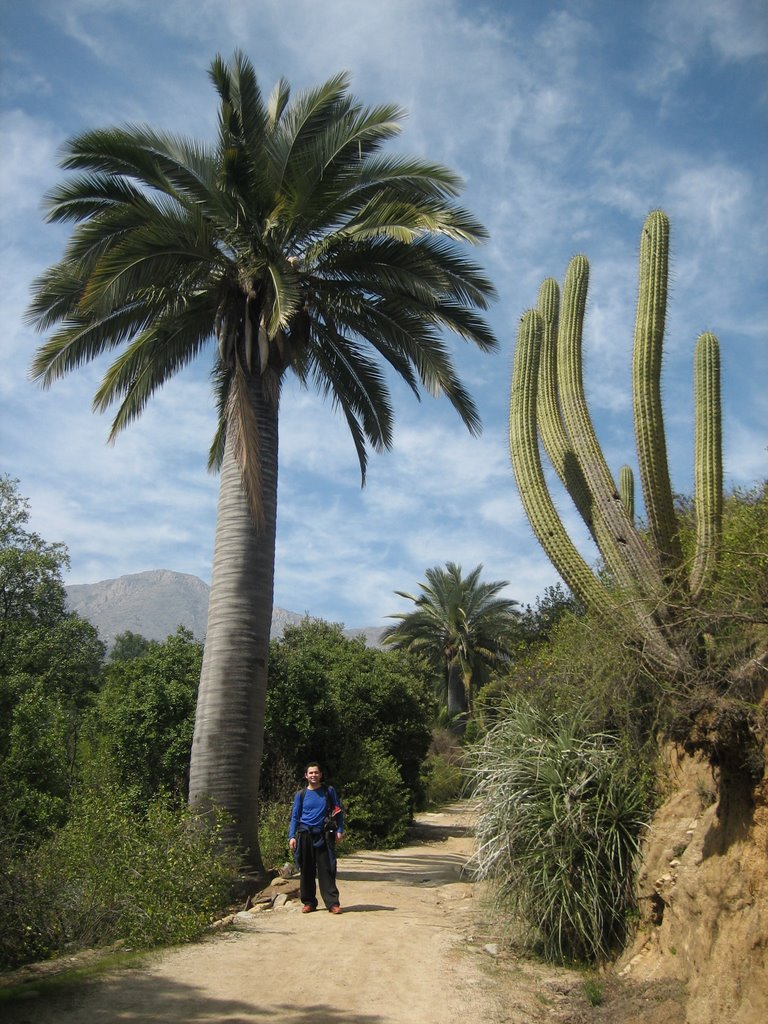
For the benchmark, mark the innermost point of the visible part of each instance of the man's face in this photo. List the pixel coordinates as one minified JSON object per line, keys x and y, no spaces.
{"x":313,"y":775}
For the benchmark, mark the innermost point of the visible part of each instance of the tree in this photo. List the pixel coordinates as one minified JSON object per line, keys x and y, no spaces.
{"x":290,"y":245}
{"x":50,"y":666}
{"x":130,"y":645}
{"x":144,"y":714}
{"x":31,"y":588}
{"x":460,"y":625}
{"x":363,"y":713}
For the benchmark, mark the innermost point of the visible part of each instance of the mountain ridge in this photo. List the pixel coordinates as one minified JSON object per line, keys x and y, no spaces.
{"x":155,"y":602}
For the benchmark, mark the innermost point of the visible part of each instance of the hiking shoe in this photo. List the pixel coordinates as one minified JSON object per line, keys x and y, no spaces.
{"x":307,"y":908}
{"x":335,"y":909}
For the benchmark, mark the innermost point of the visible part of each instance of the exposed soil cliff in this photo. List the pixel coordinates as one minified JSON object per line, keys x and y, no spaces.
{"x":704,"y":896}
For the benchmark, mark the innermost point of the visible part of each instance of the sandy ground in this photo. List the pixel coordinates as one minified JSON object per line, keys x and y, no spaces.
{"x":408,"y":948}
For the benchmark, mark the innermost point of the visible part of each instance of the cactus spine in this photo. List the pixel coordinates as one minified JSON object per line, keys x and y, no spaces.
{"x":548,"y":396}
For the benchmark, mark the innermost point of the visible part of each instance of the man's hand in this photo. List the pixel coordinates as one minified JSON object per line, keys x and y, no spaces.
{"x":339,"y":836}
{"x":292,"y":843}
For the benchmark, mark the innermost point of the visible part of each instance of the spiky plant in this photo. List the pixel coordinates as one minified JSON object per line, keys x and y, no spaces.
{"x":558,"y":830}
{"x":650,"y":587}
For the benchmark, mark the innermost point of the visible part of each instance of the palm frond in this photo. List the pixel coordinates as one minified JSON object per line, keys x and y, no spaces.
{"x":307,"y":117}
{"x":221,"y":380}
{"x":278,"y":102}
{"x":80,"y":340}
{"x":285,"y":294}
{"x":340,"y":368}
{"x":152,"y":358}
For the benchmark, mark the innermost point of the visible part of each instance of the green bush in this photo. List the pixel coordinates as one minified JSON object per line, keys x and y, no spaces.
{"x":443,"y":780}
{"x":149,"y":878}
{"x":377,"y":807}
{"x":140,"y":729}
{"x":559,"y":830}
{"x":273,"y":834}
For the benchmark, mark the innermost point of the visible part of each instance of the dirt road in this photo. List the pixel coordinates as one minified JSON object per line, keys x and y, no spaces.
{"x":406,"y":949}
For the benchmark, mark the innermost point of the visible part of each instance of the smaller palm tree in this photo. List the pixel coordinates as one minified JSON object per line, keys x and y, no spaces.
{"x":461,"y":626}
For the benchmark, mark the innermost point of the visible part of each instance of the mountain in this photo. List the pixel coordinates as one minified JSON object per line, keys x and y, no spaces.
{"x":155,"y":603}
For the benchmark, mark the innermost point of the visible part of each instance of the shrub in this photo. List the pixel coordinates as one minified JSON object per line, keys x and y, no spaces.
{"x":150,"y":878}
{"x":273,"y":834}
{"x":376,"y":802}
{"x":559,"y":829}
{"x":443,"y":781}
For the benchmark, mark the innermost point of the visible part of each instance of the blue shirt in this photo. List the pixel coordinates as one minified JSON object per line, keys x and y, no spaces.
{"x":314,"y":811}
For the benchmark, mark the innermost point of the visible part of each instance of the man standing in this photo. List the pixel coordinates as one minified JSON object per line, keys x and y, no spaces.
{"x":316,"y":826}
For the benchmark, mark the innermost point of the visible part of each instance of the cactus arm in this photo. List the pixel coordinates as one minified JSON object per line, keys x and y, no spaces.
{"x":627,"y":490}
{"x":551,"y":427}
{"x":708,"y":462}
{"x":526,"y":463}
{"x":621,"y":545}
{"x":646,"y":389}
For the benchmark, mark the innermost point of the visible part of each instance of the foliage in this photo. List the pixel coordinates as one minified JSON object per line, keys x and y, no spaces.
{"x":559,"y":830}
{"x":443,"y":771}
{"x":273,"y":833}
{"x":129,"y":645}
{"x":719,"y":712}
{"x":377,"y":803}
{"x":142,"y":721}
{"x":537,"y":621}
{"x":35,"y":771}
{"x":50,"y":666}
{"x":585,"y":668}
{"x":461,"y":627}
{"x":444,"y":780}
{"x":112,"y":872}
{"x":362,"y":713}
{"x":31,"y":588}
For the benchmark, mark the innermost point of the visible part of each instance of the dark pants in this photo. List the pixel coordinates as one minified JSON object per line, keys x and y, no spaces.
{"x":320,"y":862}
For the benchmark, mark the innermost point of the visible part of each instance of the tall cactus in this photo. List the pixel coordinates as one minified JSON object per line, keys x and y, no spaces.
{"x":650,"y":584}
{"x":627,"y":490}
{"x":646,"y":388}
{"x":524,"y":449}
{"x":708,"y":465}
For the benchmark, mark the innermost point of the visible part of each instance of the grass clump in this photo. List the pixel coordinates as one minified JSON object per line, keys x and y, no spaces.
{"x":559,"y":828}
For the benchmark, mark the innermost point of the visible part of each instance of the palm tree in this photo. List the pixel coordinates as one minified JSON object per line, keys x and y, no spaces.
{"x":290,"y":244}
{"x":459,"y":625}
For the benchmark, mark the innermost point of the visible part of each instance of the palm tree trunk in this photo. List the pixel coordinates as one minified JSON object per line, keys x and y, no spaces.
{"x":457,"y":699}
{"x":229,"y":724}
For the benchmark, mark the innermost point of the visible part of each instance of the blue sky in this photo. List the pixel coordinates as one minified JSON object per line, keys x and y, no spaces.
{"x":568,"y":121}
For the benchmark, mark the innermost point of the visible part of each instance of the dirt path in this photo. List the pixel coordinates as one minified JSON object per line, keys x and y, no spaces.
{"x":407,"y":949}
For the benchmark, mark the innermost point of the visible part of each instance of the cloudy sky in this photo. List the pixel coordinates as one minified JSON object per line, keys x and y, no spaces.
{"x":569,"y":121}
